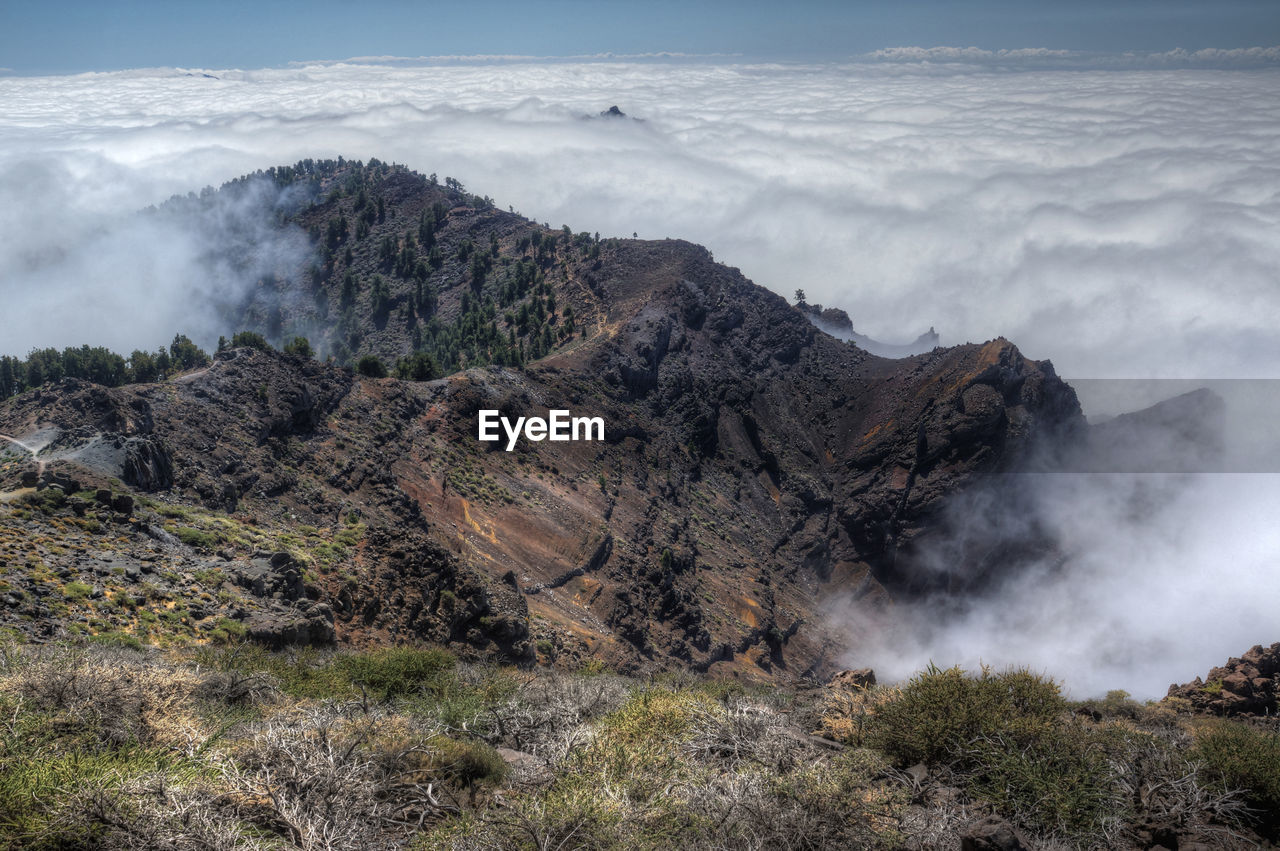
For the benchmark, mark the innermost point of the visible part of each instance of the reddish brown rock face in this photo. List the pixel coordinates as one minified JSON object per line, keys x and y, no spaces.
{"x":1247,"y":685}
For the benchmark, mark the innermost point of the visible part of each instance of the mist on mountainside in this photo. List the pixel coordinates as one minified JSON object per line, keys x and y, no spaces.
{"x":1138,"y":556}
{"x":130,"y":279}
{"x":1118,"y":223}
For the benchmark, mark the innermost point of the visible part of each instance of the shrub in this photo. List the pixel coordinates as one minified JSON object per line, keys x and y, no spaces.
{"x":639,"y":743}
{"x":469,"y":763}
{"x":251,"y":339}
{"x":48,"y":500}
{"x":34,"y":787}
{"x":115,"y":638}
{"x":370,"y":367}
{"x":1248,"y":759}
{"x":310,"y":777}
{"x":196,"y":538}
{"x":841,"y":801}
{"x":299,"y":346}
{"x":939,"y":711}
{"x":396,"y":671}
{"x":76,"y":590}
{"x":1054,"y":778}
{"x":849,"y":716}
{"x":108,"y":697}
{"x":419,"y":366}
{"x":227,"y":631}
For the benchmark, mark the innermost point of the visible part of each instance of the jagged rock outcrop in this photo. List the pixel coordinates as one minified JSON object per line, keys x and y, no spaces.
{"x":305,"y":624}
{"x":147,"y":464}
{"x":1246,"y":685}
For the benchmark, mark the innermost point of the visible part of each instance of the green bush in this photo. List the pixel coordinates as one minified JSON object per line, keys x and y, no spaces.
{"x":396,"y":671}
{"x":227,"y":631}
{"x":76,"y":590}
{"x":299,"y":346}
{"x":1245,"y":758}
{"x":48,"y":500}
{"x":1054,"y":777}
{"x":251,"y":339}
{"x":941,"y":711}
{"x":468,"y":763}
{"x":370,"y":367}
{"x":33,"y":788}
{"x":196,"y":538}
{"x":115,"y":638}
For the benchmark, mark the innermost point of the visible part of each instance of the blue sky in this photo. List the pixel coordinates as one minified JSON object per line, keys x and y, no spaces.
{"x":75,"y":35}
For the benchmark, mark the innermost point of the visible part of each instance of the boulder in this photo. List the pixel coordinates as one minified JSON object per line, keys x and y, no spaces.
{"x":309,"y":624}
{"x":993,"y":834}
{"x":269,"y":575}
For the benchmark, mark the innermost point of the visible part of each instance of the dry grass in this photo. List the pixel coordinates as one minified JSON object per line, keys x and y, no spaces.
{"x":235,"y":748}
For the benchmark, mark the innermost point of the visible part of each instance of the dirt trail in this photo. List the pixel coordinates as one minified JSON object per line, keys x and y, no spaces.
{"x":9,"y":496}
{"x":192,"y":376}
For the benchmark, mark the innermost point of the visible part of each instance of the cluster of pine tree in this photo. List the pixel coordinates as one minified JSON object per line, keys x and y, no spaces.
{"x":375,"y":264}
{"x":389,"y":265}
{"x":99,"y":365}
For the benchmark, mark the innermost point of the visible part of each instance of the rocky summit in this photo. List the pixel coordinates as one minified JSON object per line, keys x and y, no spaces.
{"x":753,"y":466}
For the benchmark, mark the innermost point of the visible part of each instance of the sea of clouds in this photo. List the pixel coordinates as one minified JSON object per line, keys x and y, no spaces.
{"x":1121,"y":217}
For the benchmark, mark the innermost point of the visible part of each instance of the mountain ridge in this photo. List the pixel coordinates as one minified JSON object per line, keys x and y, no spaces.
{"x":753,"y":465}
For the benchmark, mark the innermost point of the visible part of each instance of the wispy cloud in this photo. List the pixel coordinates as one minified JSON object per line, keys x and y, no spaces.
{"x":963,"y":54}
{"x":1041,"y":58}
{"x":504,"y":58}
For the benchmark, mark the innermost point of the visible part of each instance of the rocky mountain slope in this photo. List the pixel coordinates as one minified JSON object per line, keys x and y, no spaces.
{"x":753,"y":467}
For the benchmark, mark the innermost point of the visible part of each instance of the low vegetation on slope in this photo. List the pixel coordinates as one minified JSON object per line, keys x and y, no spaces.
{"x":236,"y":747}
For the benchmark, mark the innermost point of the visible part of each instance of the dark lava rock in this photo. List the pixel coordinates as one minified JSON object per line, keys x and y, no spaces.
{"x":148,"y":465}
{"x":274,"y":576}
{"x":993,"y":834}
{"x":311,"y":625}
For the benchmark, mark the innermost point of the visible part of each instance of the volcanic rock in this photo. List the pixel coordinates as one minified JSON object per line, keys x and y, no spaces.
{"x":993,"y":834}
{"x":1246,"y":685}
{"x":752,"y":465}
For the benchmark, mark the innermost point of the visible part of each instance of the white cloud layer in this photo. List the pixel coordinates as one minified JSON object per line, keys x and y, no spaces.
{"x":1164,"y":577}
{"x":1121,"y":222}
